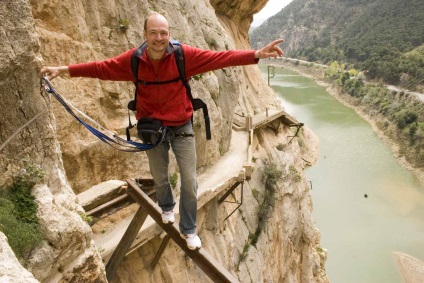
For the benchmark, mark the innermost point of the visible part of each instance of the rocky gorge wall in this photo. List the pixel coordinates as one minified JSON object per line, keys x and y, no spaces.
{"x":72,"y":32}
{"x":68,"y":246}
{"x":38,"y":32}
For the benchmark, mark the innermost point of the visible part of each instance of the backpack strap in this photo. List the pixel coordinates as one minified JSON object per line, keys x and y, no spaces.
{"x":197,"y":103}
{"x":134,"y":68}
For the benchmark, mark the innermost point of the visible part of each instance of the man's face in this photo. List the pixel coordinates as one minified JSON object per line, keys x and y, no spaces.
{"x":157,"y":35}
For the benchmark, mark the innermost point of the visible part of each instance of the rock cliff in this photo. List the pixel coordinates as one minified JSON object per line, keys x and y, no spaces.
{"x":35,"y":33}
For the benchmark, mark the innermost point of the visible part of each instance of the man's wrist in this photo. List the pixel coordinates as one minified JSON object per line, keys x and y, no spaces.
{"x":256,"y":55}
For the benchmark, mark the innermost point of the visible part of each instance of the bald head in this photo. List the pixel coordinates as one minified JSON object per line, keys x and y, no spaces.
{"x":156,"y":33}
{"x":154,"y":17}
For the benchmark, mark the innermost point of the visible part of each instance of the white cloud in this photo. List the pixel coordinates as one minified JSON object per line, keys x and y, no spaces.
{"x":270,"y":9}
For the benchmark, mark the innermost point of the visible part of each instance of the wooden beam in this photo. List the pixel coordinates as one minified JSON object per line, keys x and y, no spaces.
{"x":125,"y":243}
{"x":108,"y":204}
{"x":162,"y":247}
{"x":208,"y":264}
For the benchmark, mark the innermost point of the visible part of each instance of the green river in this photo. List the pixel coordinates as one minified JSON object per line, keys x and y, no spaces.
{"x":366,"y":205}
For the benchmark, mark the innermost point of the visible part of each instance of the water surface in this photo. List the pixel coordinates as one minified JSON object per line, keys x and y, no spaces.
{"x":366,"y":205}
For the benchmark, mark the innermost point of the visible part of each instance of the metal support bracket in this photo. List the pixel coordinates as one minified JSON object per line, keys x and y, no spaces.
{"x":230,"y":191}
{"x":299,"y":126}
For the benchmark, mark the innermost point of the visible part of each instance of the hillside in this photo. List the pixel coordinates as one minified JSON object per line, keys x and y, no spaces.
{"x":374,"y":35}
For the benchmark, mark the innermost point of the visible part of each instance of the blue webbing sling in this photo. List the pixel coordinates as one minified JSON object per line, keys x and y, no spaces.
{"x":112,"y":139}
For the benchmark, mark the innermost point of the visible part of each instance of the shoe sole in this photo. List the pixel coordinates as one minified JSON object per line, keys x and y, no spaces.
{"x":194,"y":248}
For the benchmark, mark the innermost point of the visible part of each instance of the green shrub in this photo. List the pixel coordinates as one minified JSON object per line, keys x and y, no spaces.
{"x":18,"y":212}
{"x":87,"y":218}
{"x":173,"y":179}
{"x":405,"y":117}
{"x":271,"y":174}
{"x":280,"y":147}
{"x":22,"y":236}
{"x":295,"y":174}
{"x":123,"y":24}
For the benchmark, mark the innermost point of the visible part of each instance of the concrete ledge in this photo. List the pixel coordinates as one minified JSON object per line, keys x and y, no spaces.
{"x":100,"y":194}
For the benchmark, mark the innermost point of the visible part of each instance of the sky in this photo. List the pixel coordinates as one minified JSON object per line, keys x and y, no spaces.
{"x":270,"y":9}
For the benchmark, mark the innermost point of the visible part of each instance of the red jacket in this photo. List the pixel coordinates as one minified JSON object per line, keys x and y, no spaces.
{"x":166,"y":102}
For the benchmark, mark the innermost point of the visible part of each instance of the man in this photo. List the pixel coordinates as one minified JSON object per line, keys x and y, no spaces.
{"x":170,"y":104}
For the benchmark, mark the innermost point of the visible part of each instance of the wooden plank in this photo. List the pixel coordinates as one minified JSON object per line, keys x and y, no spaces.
{"x":261,"y":119}
{"x":212,"y":193}
{"x":289,"y":120}
{"x":207,"y":263}
{"x":107,"y":205}
{"x":126,"y":242}
{"x":100,"y":194}
{"x":162,"y":248}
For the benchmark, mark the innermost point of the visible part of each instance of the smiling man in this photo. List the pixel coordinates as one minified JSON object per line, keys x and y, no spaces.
{"x":163,"y":97}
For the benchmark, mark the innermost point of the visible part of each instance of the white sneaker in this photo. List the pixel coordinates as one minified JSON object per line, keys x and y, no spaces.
{"x":193,"y":241}
{"x":168,"y":217}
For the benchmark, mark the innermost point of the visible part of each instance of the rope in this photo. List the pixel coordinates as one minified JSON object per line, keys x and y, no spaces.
{"x":103,"y":134}
{"x":3,"y":145}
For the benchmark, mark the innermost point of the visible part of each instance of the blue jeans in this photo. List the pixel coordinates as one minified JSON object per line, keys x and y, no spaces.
{"x":184,"y":149}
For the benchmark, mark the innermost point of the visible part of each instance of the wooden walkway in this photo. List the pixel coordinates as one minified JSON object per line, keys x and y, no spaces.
{"x":272,"y":118}
{"x":132,"y":232}
{"x":264,"y":119}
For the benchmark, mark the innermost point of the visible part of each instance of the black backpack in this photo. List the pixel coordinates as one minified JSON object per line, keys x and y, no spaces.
{"x":197,"y":103}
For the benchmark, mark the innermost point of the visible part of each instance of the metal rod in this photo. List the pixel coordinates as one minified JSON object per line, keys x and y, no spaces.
{"x":239,"y":204}
{"x":230,"y":190}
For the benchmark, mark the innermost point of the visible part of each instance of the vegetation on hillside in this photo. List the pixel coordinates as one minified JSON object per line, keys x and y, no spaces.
{"x":384,"y":38}
{"x":400,"y":115}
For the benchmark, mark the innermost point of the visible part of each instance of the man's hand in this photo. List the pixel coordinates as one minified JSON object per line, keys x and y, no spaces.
{"x":53,"y":72}
{"x":270,"y":50}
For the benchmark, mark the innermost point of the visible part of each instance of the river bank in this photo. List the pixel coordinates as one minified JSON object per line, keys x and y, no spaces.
{"x":410,"y":268}
{"x":317,"y":74}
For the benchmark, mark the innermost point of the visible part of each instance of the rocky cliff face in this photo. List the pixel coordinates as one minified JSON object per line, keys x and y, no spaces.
{"x":72,"y":32}
{"x":40,"y":32}
{"x":68,"y":247}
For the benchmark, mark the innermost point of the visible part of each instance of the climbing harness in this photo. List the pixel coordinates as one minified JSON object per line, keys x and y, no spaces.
{"x":99,"y":131}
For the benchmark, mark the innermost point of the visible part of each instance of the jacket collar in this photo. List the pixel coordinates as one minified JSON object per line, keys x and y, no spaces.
{"x":169,"y":50}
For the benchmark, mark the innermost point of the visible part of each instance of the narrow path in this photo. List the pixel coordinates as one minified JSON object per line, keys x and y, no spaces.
{"x":420,"y":96}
